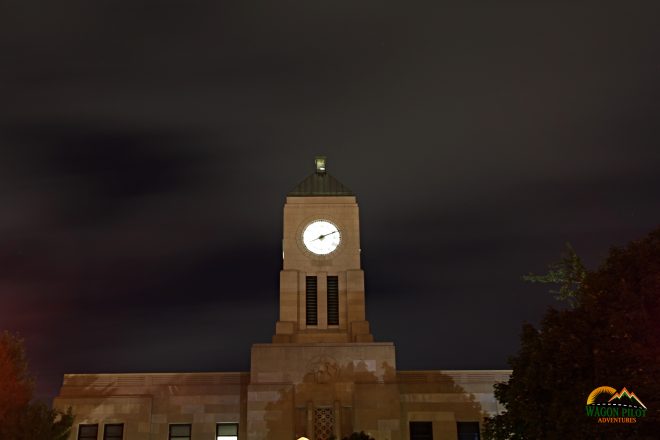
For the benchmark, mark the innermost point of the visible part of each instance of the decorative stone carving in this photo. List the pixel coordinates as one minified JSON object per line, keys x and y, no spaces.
{"x":324,"y":369}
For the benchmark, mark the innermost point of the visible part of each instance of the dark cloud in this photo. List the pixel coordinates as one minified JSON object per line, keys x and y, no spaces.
{"x":147,"y":149}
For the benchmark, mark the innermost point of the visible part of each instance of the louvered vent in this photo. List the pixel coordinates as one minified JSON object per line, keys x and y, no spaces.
{"x":333,"y":300}
{"x":311,"y":301}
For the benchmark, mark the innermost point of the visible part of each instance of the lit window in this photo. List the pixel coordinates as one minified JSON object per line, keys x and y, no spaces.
{"x":227,"y":431}
{"x":180,"y":432}
{"x":88,"y":432}
{"x":320,"y":164}
{"x":114,"y":431}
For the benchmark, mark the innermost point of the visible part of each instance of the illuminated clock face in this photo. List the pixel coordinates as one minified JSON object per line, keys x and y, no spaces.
{"x":321,"y":237}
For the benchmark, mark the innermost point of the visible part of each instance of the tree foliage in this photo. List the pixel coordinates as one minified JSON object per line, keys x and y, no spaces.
{"x":610,"y":337}
{"x":15,"y":383}
{"x":568,"y":274}
{"x":37,"y":421}
{"x":20,"y":418}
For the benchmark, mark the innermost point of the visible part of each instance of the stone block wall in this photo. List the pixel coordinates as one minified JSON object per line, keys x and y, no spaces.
{"x":148,"y":403}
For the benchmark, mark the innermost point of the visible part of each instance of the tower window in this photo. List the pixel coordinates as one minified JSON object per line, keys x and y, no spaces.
{"x":333,"y":300}
{"x":311,"y":300}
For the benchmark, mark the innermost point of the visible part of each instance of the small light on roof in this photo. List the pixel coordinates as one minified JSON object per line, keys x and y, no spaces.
{"x":320,"y":164}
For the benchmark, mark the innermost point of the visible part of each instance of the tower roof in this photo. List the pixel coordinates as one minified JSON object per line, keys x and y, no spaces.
{"x":320,"y":183}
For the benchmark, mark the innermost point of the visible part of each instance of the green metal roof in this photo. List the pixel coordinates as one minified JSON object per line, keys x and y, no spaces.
{"x":320,"y":183}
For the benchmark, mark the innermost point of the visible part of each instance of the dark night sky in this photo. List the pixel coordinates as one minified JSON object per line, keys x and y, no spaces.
{"x":147,"y":148}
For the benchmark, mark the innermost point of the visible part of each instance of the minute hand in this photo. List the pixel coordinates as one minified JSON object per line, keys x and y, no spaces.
{"x":323,"y":236}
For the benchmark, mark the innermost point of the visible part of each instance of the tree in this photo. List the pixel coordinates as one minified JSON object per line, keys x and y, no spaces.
{"x":569,"y":274}
{"x":611,"y":336}
{"x":37,"y":421}
{"x":15,"y":382}
{"x":20,"y":418}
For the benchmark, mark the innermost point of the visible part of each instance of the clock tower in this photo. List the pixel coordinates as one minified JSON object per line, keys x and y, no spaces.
{"x":321,"y":282}
{"x":322,"y":358}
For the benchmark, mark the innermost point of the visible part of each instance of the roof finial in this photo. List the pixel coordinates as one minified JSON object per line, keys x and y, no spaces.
{"x":320,"y":164}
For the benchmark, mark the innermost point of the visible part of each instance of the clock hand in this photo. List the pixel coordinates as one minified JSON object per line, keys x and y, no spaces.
{"x":321,"y":237}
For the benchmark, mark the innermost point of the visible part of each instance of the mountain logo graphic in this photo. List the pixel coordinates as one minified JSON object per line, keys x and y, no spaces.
{"x":611,"y":406}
